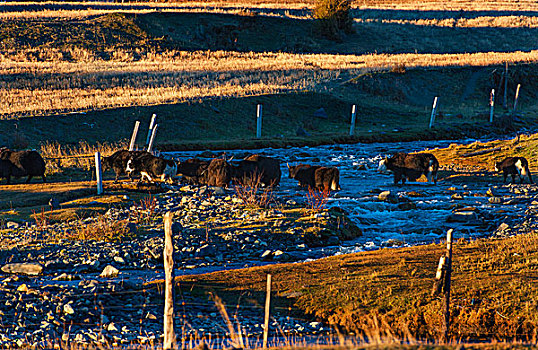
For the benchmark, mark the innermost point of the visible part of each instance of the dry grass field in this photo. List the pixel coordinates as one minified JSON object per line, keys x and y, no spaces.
{"x":113,"y":60}
{"x":74,"y":77}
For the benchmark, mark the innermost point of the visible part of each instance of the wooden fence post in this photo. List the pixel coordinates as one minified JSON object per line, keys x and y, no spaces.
{"x":150,"y":131}
{"x":98,"y":173}
{"x":491,"y":104}
{"x":353,"y":116}
{"x":448,"y":276}
{"x":133,"y":137}
{"x":434,"y":110}
{"x":517,"y":96}
{"x":505,"y":101}
{"x":152,"y":139}
{"x":168,"y":329}
{"x":259,"y":122}
{"x":267,"y":308}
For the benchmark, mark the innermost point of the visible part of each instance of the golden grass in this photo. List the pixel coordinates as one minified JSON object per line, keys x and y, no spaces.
{"x":387,"y":292}
{"x":478,"y":22}
{"x":61,"y":10}
{"x":524,"y":145}
{"x":173,"y":77}
{"x":80,"y":156}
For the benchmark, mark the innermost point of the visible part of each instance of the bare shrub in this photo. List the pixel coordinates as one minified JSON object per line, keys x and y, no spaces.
{"x":104,"y":229}
{"x":250,"y":191}
{"x":317,"y":200}
{"x":333,"y":17}
{"x":144,"y":212}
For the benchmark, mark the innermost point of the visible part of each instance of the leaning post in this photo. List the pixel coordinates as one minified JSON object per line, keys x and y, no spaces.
{"x":267,"y":308}
{"x":150,"y":131}
{"x":448,"y":276}
{"x":517,"y":96}
{"x":491,"y":104}
{"x":152,"y":139}
{"x":133,"y":137}
{"x":353,"y":116}
{"x":259,"y":122}
{"x":168,"y":329}
{"x":505,"y":100}
{"x":98,"y":173}
{"x":434,"y":111}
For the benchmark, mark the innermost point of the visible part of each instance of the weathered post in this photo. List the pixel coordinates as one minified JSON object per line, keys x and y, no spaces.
{"x":448,"y":276}
{"x":133,"y":137}
{"x":267,"y":308}
{"x":168,"y":330}
{"x":491,"y":105}
{"x":151,"y":125}
{"x":434,"y":110}
{"x":505,"y":101}
{"x":98,"y":173}
{"x":259,"y":122}
{"x":152,"y":139}
{"x":438,"y":284}
{"x":517,"y":96}
{"x":352,"y":127}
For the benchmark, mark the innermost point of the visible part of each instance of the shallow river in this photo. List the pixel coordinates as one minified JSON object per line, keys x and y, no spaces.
{"x":383,"y":223}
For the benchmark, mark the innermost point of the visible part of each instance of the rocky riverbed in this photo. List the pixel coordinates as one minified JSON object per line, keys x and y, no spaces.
{"x":57,"y":286}
{"x":89,"y":291}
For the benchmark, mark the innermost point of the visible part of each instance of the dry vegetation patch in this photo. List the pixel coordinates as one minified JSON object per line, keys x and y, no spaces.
{"x":390,"y":288}
{"x":494,"y":151}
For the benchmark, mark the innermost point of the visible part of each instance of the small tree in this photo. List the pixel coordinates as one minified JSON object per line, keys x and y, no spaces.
{"x":334,"y":17}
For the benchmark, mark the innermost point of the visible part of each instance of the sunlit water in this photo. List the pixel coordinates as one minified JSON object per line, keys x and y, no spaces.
{"x":383,"y":224}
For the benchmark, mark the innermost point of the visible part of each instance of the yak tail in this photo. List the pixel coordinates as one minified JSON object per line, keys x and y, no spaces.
{"x":334,"y":185}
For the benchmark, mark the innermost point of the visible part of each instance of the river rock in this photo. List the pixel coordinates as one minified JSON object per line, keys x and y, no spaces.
{"x":219,"y":191}
{"x":503,"y":227}
{"x":414,"y":194}
{"x":495,"y":200}
{"x":407,"y":206}
{"x":467,"y":217}
{"x":23,"y":268}
{"x":387,"y":196}
{"x":109,"y":272}
{"x":491,"y":192}
{"x":68,"y":309}
{"x":12,"y":225}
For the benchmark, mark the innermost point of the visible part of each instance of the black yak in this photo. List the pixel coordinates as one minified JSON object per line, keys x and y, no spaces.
{"x":218,"y":173}
{"x":514,"y":166}
{"x":257,"y":167}
{"x":411,"y":166}
{"x":151,"y":167}
{"x":118,"y":162}
{"x":315,"y":176}
{"x":194,"y":170}
{"x":21,"y":163}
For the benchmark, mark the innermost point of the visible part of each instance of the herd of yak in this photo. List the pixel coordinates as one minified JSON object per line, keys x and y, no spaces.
{"x":253,"y":170}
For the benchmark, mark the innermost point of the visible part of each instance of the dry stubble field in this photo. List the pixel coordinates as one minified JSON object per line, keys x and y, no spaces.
{"x":106,"y":65}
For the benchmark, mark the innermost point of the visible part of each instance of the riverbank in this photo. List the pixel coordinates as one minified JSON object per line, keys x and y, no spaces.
{"x":215,"y":231}
{"x":386,"y":293}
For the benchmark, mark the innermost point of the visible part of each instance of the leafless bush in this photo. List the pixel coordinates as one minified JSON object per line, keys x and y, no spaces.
{"x":316,"y":199}
{"x":250,"y":191}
